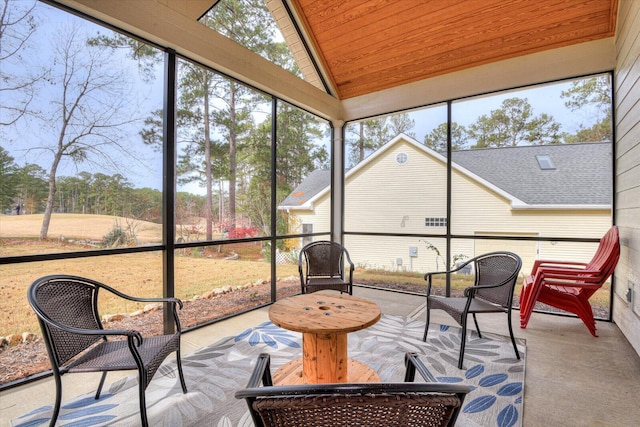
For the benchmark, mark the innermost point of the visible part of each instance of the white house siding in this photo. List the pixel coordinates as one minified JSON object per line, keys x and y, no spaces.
{"x":527,"y":250}
{"x":320,"y":216}
{"x":390,"y":198}
{"x":382,"y":253}
{"x":478,"y":210}
{"x":382,"y":196}
{"x":627,"y":105}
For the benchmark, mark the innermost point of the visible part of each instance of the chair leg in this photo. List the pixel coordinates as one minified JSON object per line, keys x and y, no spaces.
{"x":463,"y":341}
{"x":426,"y":326}
{"x":56,"y":406}
{"x":513,"y":339}
{"x":101,"y":384}
{"x":143,"y":405}
{"x":524,"y":302}
{"x":179,"y":364}
{"x":142,"y":386}
{"x":530,"y":302}
{"x":477,"y":327}
{"x":585,"y":313}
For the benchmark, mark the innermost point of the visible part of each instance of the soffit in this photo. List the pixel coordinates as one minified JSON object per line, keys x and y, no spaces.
{"x":365,"y":46}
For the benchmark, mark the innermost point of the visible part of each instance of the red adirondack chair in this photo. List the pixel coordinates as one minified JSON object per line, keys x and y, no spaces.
{"x":568,"y":285}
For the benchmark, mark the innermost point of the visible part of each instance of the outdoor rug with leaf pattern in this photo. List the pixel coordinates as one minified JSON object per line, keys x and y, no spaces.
{"x":214,"y":373}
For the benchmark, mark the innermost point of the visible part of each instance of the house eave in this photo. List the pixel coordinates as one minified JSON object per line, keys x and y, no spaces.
{"x":524,"y":206}
{"x":303,"y":207}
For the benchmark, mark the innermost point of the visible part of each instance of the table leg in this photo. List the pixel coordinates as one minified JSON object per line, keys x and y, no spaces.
{"x":324,"y":358}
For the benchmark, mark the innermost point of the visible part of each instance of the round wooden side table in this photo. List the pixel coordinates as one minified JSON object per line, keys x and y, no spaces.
{"x":324,"y":321}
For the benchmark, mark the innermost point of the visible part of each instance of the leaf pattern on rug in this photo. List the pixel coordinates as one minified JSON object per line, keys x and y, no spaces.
{"x":479,"y":404}
{"x":269,"y":334}
{"x":508,"y":417}
{"x":214,"y":373}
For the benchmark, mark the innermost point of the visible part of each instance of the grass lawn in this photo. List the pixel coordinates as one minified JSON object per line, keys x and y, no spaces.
{"x":141,"y":274}
{"x":75,"y":227}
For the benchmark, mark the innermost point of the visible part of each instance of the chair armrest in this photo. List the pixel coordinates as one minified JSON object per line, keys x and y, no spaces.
{"x":261,"y":372}
{"x":574,"y":283}
{"x":582,"y":275}
{"x":432,"y":273}
{"x":471,"y":290}
{"x":301,"y":272}
{"x":173,"y":300}
{"x":413,"y":364}
{"x":351,"y":268}
{"x":549,"y":263}
{"x":351,"y":265}
{"x":95,"y":332}
{"x":427,"y":276}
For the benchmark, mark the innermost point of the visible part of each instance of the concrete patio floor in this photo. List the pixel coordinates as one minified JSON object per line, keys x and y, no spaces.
{"x":571,"y":379}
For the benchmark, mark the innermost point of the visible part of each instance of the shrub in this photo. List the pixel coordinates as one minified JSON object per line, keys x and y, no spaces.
{"x":242,"y":232}
{"x":117,"y":236}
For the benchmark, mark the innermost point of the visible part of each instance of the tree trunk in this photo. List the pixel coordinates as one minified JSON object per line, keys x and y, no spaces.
{"x":48,"y":210}
{"x":232,"y":156}
{"x":361,"y":143}
{"x":207,"y":159}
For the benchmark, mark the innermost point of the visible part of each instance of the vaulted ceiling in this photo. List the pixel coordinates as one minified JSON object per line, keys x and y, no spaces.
{"x":362,"y":58}
{"x":365,"y":46}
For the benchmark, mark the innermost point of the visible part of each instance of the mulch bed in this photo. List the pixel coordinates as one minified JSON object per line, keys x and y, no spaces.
{"x":25,"y":359}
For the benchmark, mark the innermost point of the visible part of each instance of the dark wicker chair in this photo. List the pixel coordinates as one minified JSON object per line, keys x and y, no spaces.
{"x":355,"y":404}
{"x":322,"y":266}
{"x":496,"y":274}
{"x":67,"y":310}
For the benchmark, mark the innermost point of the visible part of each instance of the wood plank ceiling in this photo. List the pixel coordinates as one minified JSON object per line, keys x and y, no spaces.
{"x":369,"y":45}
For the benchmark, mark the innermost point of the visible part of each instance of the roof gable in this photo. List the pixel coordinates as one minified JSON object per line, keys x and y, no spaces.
{"x":582,"y":177}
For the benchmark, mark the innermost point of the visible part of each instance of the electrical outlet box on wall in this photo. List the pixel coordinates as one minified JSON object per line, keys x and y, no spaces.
{"x":635,"y":302}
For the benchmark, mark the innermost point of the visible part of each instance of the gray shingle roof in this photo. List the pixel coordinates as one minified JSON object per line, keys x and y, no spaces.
{"x":315,"y":182}
{"x":582,"y":174}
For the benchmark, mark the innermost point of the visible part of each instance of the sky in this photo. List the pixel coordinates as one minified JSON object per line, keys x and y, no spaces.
{"x":139,"y":98}
{"x":543,"y":99}
{"x":144,"y":165}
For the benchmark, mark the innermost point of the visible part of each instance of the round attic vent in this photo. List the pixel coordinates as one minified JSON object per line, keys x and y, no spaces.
{"x":402,"y":158}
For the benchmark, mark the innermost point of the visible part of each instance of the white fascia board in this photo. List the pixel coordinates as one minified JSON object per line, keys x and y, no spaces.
{"x":514,"y":200}
{"x":560,"y":207}
{"x":308,"y":205}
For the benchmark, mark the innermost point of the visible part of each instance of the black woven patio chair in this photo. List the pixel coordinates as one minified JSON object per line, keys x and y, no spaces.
{"x":353,"y":404}
{"x":67,"y":310}
{"x":496,"y":274}
{"x":322,"y":266}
